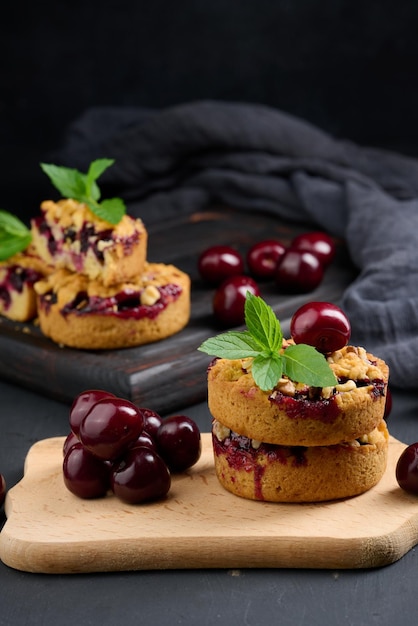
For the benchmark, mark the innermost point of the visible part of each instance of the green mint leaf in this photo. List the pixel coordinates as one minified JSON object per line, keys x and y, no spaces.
{"x":93,"y":193}
{"x":83,"y":187}
{"x":231,"y":345}
{"x":95,"y":170}
{"x":262,"y":323}
{"x":11,"y":224}
{"x":304,"y":364}
{"x":13,"y":245}
{"x":14,"y":235}
{"x":262,"y":341}
{"x":111,"y":210}
{"x":267,"y":370}
{"x":69,"y":182}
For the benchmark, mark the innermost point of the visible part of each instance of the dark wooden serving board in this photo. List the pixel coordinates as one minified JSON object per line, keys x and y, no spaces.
{"x":169,"y":374}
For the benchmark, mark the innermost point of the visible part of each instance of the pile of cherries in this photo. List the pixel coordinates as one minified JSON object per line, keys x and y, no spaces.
{"x":116,"y":446}
{"x":297,"y":268}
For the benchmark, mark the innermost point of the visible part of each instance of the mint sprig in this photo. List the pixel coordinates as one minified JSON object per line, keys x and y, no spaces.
{"x":262,"y":341}
{"x":14,"y":235}
{"x":83,"y":187}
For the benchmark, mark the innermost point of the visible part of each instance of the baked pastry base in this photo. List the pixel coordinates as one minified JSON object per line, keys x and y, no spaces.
{"x":344,"y":413}
{"x":64,"y":319}
{"x":300,"y":474}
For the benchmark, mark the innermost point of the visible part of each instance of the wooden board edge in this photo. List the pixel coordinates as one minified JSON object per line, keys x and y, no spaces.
{"x":204,"y":552}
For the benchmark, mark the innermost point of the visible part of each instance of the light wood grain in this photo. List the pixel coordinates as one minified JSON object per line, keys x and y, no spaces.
{"x":199,"y":525}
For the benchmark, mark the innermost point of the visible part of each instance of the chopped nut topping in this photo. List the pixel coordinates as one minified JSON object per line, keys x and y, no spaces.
{"x":327,"y":392}
{"x":352,"y":349}
{"x":286,"y":386}
{"x":150,"y":295}
{"x":351,"y":362}
{"x":220,"y":431}
{"x":349,"y":385}
{"x":42,"y":287}
{"x":373,"y":437}
{"x":102,"y":245}
{"x":246,"y":364}
{"x":78,"y":218}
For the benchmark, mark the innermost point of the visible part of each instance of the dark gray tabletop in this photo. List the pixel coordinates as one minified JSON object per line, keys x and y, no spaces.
{"x":250,"y":597}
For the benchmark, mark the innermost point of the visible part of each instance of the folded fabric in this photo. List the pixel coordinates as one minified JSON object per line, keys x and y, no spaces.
{"x":256,"y":158}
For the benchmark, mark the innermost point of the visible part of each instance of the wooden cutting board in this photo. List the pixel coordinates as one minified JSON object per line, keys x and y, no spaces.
{"x":169,"y":374}
{"x":199,"y":525}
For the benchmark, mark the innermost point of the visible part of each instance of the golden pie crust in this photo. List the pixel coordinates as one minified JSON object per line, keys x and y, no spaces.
{"x":66,"y":317}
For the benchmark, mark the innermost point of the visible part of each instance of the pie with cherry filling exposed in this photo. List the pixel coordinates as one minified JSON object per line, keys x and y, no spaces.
{"x":81,"y":313}
{"x":296,"y":441}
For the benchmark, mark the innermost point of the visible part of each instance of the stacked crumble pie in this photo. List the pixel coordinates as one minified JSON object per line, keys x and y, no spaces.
{"x":89,"y":282}
{"x":298,"y":443}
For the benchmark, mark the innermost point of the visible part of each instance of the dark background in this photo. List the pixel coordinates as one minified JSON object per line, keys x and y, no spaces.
{"x":349,"y":67}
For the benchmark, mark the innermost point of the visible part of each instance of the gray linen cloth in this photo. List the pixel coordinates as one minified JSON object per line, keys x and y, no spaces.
{"x":257,"y":158}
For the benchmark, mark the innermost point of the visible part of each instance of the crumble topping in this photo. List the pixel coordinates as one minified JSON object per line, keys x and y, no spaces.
{"x":352,"y":362}
{"x":150,"y":295}
{"x":351,"y":365}
{"x":377,"y":435}
{"x":68,"y":213}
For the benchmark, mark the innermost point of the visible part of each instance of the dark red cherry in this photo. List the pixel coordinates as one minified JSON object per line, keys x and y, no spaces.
{"x":110,"y":426}
{"x":263,"y":257}
{"x":2,"y":489}
{"x":144,"y":439}
{"x":322,"y":325}
{"x":82,"y":404}
{"x":317,"y":242}
{"x":298,"y":271}
{"x":229,"y":299}
{"x":70,"y":441}
{"x":141,"y":475}
{"x":407,"y":469}
{"x":179,"y":442}
{"x":152,"y":421}
{"x":220,"y":262}
{"x":85,"y":475}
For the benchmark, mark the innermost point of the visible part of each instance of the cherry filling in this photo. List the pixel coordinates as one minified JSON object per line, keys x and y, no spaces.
{"x":45,"y":230}
{"x":5,"y":297}
{"x":125,"y":304}
{"x":242,"y":455}
{"x":88,"y":237}
{"x":378,"y":387}
{"x":301,"y":406}
{"x":15,"y":280}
